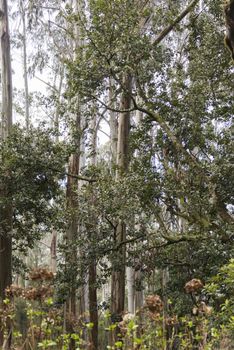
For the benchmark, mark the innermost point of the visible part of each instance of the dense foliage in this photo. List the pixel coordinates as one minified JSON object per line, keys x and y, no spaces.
{"x":167,"y":216}
{"x":178,"y":189}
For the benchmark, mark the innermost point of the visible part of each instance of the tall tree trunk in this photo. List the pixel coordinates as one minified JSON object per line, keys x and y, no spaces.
{"x":71,"y":236}
{"x":53,"y":246}
{"x":6,"y":123}
{"x":118,"y":274}
{"x":6,"y":74}
{"x":136,"y":275}
{"x":72,"y":199}
{"x":25,"y":66}
{"x":93,"y":307}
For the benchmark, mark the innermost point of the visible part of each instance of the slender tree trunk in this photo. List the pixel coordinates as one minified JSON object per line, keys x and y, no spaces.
{"x":53,"y":246}
{"x":113,"y":125}
{"x":93,"y":307}
{"x":123,"y":129}
{"x":53,"y":251}
{"x":71,"y":235}
{"x":58,"y":102}
{"x":139,"y":294}
{"x":83,"y":291}
{"x":118,"y":274}
{"x":25,"y":66}
{"x":130,"y":275}
{"x":72,"y":199}
{"x":134,"y":297}
{"x":6,"y":74}
{"x":6,"y":123}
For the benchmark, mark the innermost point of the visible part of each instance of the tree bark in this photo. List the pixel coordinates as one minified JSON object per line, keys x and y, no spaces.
{"x":53,"y":251}
{"x":93,"y":306}
{"x":71,"y":236}
{"x":72,"y":186}
{"x":58,"y":100}
{"x":72,"y":195}
{"x":130,"y":288}
{"x":135,"y":297}
{"x":6,"y":123}
{"x":113,"y":125}
{"x":118,"y":274}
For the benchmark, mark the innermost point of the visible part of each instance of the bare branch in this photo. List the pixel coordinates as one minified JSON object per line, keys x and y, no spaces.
{"x":80,"y":177}
{"x":168,"y":29}
{"x":169,"y":241}
{"x":104,"y":133}
{"x":59,"y":26}
{"x":46,"y":83}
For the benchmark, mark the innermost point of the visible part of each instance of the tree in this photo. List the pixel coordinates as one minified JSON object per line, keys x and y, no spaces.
{"x":6,"y":124}
{"x":118,"y":275}
{"x":25,"y":63}
{"x":185,"y":148}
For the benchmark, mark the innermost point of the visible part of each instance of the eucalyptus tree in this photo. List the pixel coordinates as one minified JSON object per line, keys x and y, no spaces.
{"x":6,"y":207}
{"x":6,"y":124}
{"x":91,"y":227}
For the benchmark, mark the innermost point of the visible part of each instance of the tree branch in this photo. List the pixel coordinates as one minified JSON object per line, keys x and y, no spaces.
{"x":80,"y":177}
{"x":46,"y":83}
{"x":109,"y":108}
{"x":170,"y":240}
{"x":168,"y":29}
